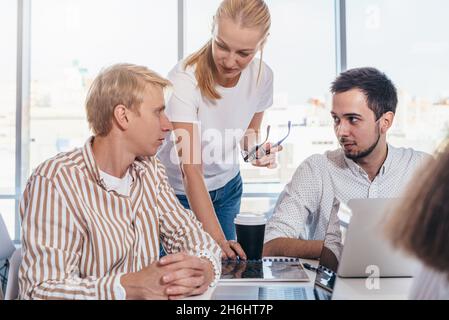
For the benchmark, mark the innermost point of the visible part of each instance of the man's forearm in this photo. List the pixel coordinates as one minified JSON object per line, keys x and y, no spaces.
{"x":307,"y":249}
{"x":71,"y":288}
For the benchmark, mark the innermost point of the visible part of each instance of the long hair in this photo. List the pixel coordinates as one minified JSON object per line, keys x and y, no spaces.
{"x":248,"y":14}
{"x":420,"y":225}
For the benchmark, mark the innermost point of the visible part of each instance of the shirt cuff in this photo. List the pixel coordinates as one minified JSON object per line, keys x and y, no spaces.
{"x":216,"y":263}
{"x":271,"y":236}
{"x":119,"y":291}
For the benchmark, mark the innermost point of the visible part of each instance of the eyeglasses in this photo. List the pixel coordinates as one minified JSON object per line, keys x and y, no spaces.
{"x":253,"y":154}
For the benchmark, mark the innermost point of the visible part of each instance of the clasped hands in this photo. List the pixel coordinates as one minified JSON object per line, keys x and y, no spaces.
{"x":174,"y":276}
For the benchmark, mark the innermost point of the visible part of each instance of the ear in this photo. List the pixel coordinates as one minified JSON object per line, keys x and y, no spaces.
{"x":121,"y":116}
{"x":386,"y":121}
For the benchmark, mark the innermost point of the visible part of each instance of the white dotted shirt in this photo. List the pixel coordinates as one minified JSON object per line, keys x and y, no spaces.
{"x":323,"y":182}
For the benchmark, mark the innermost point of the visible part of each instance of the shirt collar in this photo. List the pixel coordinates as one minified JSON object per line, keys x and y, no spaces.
{"x":94,"y":170}
{"x":356,"y":169}
{"x":91,"y":164}
{"x":388,"y":161}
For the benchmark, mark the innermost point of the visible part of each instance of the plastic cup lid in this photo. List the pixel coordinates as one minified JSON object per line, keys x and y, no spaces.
{"x":250,"y":219}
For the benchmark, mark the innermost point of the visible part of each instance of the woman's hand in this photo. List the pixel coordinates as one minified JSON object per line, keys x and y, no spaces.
{"x":267,"y":156}
{"x":231,"y":249}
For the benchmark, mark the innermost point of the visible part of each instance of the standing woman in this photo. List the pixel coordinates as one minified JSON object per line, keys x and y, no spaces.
{"x":220,"y":94}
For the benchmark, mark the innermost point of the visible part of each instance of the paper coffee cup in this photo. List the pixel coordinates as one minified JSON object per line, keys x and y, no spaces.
{"x":250,"y":229}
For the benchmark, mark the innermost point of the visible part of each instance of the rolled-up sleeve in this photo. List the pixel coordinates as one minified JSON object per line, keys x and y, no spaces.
{"x":266,"y":90}
{"x":184,"y":102}
{"x":333,"y":237}
{"x":51,"y":244}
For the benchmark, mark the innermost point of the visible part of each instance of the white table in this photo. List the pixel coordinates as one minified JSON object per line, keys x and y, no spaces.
{"x":359,"y":289}
{"x":345,"y":288}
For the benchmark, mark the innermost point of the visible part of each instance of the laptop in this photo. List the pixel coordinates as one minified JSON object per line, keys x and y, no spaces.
{"x":367,"y":251}
{"x":322,"y":289}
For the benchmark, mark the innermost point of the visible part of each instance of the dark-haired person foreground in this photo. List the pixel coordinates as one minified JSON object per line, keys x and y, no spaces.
{"x":420,"y":226}
{"x":363,"y":108}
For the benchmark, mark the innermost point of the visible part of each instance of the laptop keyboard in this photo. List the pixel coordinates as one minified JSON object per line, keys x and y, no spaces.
{"x":283,"y":293}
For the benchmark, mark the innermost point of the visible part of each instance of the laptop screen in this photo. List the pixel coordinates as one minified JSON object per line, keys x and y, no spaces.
{"x":365,"y":217}
{"x":364,"y":249}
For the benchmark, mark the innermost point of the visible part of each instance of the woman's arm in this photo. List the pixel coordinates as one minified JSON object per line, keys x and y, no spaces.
{"x":251,"y":136}
{"x":189,"y":151}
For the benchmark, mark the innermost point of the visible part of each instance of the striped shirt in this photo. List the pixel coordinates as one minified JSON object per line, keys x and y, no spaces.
{"x":78,"y":238}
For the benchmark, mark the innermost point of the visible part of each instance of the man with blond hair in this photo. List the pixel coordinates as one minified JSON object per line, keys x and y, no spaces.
{"x":93,"y":218}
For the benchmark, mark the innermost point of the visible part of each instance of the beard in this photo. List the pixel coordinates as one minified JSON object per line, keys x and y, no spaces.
{"x":363,"y":153}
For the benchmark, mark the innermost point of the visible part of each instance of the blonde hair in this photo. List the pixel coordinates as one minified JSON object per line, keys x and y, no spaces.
{"x":248,"y":14}
{"x":119,"y":84}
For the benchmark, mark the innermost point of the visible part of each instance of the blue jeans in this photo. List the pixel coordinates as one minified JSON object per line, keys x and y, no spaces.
{"x":226,"y":202}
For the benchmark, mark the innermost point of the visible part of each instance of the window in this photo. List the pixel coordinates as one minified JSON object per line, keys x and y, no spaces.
{"x":406,"y":39}
{"x":72,"y":41}
{"x":301,"y":52}
{"x":8,"y":46}
{"x":7,"y":209}
{"x":8,"y":49}
{"x":198,"y":23}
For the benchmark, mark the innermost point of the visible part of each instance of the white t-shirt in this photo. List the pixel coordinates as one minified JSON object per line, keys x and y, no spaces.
{"x":222,"y":122}
{"x":120,"y":185}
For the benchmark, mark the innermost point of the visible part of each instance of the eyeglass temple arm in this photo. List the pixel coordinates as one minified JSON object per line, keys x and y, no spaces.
{"x":289,"y":125}
{"x":255,"y":149}
{"x":266,"y":137}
